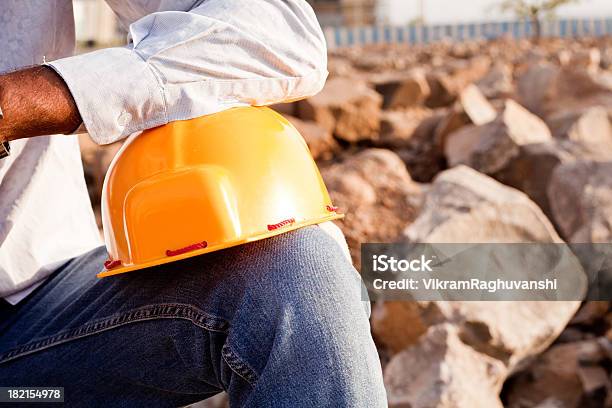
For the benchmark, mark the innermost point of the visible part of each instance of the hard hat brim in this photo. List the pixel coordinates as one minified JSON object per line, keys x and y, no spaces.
{"x":130,"y":268}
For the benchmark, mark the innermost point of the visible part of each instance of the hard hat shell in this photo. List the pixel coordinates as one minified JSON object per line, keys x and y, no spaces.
{"x":205,"y":184}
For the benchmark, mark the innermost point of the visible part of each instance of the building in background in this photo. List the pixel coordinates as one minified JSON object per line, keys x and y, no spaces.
{"x":349,"y":13}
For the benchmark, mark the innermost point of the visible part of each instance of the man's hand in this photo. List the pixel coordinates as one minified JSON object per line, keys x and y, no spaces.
{"x":36,"y":102}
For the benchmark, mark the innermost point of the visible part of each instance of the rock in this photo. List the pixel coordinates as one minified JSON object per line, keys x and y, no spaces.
{"x":605,"y":342}
{"x":554,"y":374}
{"x":591,"y":312}
{"x":578,"y":89}
{"x":535,"y":87}
{"x":398,"y":127}
{"x":570,"y":335}
{"x":442,"y":93}
{"x":377,"y":58}
{"x":463,"y":50}
{"x":531,"y":171}
{"x":563,"y":57}
{"x":461,"y":144}
{"x":587,"y":59}
{"x":606,"y":58}
{"x":320,"y":141}
{"x":545,"y":89}
{"x":374,"y":62}
{"x":476,"y":107}
{"x":377,"y":195}
{"x":588,"y":128}
{"x":584,"y":135}
{"x":447,"y":83}
{"x":403,"y":90}
{"x":347,"y":108}
{"x":422,"y":156}
{"x":580,"y":194}
{"x":443,"y":372}
{"x":390,"y":322}
{"x":603,"y":82}
{"x":464,"y":206}
{"x":593,"y":380}
{"x":491,"y":147}
{"x":498,"y":82}
{"x":471,"y":108}
{"x":285,"y":108}
{"x":341,"y":67}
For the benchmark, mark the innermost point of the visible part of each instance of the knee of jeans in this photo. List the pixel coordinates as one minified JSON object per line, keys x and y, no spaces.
{"x":310,"y":268}
{"x":304,"y":300}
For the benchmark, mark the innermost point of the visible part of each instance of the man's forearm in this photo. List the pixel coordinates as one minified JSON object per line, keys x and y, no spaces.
{"x":35,"y":102}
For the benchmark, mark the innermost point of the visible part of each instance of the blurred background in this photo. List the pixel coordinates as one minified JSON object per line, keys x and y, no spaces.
{"x":460,"y":121}
{"x":96,"y":23}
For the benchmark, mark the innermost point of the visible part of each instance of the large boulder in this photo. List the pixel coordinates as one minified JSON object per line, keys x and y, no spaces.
{"x":491,"y":147}
{"x":464,"y":206}
{"x":348,"y":108}
{"x":443,"y":372}
{"x":377,"y":195}
{"x":580,"y":194}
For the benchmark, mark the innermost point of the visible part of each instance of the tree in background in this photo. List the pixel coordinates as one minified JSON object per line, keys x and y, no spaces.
{"x":534,"y":10}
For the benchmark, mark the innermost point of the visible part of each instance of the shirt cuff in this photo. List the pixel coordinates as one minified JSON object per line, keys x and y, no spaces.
{"x":116,"y":91}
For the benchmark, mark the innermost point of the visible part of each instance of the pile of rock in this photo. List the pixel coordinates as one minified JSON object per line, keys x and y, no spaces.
{"x":502,"y":141}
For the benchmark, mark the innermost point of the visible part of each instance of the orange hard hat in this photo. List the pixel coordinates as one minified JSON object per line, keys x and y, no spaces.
{"x":201,"y":185}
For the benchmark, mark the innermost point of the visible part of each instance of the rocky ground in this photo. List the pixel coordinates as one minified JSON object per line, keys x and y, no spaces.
{"x":474,"y":142}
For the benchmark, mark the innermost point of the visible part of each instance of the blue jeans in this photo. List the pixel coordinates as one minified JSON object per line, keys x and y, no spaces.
{"x":275,"y":323}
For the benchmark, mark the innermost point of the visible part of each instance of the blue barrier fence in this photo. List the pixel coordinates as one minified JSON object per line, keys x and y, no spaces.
{"x":424,"y":34}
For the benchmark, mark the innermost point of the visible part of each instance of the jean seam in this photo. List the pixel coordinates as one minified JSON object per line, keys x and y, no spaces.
{"x":161,"y":311}
{"x":238,"y":366}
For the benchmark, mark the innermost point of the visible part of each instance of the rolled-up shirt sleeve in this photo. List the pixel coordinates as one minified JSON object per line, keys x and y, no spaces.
{"x":183,"y":64}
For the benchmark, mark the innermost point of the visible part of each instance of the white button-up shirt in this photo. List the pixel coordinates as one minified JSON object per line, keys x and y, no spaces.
{"x":184,"y":58}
